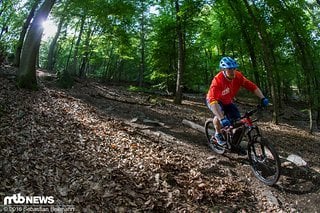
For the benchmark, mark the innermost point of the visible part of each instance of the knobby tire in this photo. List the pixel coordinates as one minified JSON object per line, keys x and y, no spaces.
{"x":210,"y":131}
{"x":265,"y":162}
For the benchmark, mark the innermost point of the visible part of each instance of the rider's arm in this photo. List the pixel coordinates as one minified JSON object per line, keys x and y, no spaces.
{"x":258,"y":93}
{"x":249,"y":85}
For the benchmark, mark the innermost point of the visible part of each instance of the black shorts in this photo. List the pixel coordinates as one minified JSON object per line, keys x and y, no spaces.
{"x":230,"y":110}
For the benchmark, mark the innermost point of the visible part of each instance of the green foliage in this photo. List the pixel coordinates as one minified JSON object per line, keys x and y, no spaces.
{"x":13,"y":15}
{"x":111,"y":43}
{"x":163,"y":52}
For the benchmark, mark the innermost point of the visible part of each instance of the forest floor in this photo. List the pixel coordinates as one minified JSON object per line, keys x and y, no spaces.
{"x":102,"y":148}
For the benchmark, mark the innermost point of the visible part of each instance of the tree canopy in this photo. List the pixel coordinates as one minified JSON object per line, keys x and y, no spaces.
{"x":177,"y":44}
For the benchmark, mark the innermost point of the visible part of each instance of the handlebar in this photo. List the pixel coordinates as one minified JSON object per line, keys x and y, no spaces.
{"x":251,"y":112}
{"x":247,"y":114}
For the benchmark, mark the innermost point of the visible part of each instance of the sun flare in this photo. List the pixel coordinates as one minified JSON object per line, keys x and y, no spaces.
{"x":49,"y":29}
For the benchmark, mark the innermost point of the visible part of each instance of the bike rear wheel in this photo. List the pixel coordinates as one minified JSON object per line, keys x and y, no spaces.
{"x":210,"y":132}
{"x":264,"y":161}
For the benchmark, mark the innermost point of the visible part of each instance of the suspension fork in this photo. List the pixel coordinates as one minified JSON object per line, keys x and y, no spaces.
{"x":254,"y":135}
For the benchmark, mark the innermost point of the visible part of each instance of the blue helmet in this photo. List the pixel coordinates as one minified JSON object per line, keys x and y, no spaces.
{"x":228,"y":63}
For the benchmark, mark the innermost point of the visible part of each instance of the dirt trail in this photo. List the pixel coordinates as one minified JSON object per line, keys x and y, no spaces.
{"x":102,"y":148}
{"x":298,"y":187}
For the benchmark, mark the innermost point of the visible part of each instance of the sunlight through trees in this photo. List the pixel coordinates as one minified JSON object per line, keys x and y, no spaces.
{"x":154,"y":44}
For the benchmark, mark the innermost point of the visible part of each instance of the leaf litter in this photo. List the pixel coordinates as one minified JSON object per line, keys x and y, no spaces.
{"x":57,"y":143}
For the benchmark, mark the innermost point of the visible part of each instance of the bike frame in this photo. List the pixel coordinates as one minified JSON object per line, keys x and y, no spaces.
{"x":248,"y":126}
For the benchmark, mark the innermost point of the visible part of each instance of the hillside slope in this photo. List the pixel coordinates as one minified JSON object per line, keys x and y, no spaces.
{"x":102,"y":148}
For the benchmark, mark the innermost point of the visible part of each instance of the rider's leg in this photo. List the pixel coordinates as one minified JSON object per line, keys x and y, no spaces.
{"x":218,"y":134}
{"x":217,"y":124}
{"x":217,"y":109}
{"x":233,"y":114}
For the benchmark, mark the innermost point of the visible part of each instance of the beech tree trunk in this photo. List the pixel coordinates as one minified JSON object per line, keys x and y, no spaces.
{"x":27,"y":69}
{"x":52,"y":48}
{"x":181,"y":55}
{"x":74,"y":63}
{"x":142,"y":43}
{"x":23,"y":34}
{"x":318,"y":118}
{"x":86,"y":55}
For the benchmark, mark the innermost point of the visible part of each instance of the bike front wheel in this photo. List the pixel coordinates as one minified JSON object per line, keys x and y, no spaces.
{"x":210,"y":132}
{"x":264,"y":161}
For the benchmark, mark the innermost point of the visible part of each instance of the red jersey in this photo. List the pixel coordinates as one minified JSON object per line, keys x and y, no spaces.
{"x":224,"y":90}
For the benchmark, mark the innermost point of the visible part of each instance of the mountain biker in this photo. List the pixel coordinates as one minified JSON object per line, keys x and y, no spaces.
{"x":222,"y":91}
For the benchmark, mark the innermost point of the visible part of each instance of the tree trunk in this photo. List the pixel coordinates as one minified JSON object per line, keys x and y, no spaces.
{"x":27,"y":69}
{"x":106,"y":75}
{"x":317,"y":101}
{"x":318,"y":118}
{"x":268,"y":58}
{"x":85,"y":57}
{"x":181,"y":54}
{"x":52,"y":48}
{"x":194,"y":125}
{"x":119,"y":69}
{"x":23,"y":34}
{"x":74,"y":64}
{"x":209,"y":72}
{"x":142,"y":43}
{"x":70,"y":52}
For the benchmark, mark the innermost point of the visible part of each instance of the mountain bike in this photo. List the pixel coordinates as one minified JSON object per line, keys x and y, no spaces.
{"x":263,"y":158}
